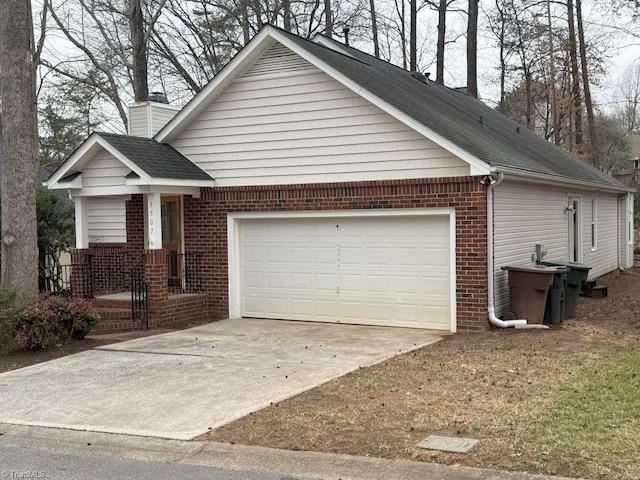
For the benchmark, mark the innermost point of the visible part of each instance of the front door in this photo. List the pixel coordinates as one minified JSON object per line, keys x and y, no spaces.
{"x":172,"y":236}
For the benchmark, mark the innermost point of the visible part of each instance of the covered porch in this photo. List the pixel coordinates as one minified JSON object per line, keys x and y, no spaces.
{"x":148,"y":277}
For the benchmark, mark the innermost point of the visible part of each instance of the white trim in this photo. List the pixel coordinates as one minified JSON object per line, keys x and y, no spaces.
{"x":593,"y":223}
{"x":268,"y":36}
{"x":134,"y":189}
{"x":153,"y":223}
{"x":82,"y":222}
{"x":629,"y":220}
{"x":233,"y":244}
{"x":574,"y":232}
{"x":555,"y":181}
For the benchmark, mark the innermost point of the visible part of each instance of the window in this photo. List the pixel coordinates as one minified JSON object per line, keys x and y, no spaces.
{"x":594,"y":217}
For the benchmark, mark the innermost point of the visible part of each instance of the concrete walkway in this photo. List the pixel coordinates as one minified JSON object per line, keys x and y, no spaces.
{"x":181,"y":384}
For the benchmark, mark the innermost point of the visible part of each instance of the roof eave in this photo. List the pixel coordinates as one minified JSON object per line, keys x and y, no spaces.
{"x":554,"y":180}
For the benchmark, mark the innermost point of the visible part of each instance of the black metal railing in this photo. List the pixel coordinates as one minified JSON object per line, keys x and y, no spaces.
{"x":185,"y":272}
{"x":57,"y":279}
{"x":140,"y":294}
{"x":107,"y":273}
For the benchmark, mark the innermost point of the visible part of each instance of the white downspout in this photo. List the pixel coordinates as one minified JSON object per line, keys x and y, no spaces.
{"x":491,"y":308}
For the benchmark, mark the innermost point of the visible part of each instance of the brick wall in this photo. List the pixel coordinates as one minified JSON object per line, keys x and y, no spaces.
{"x":205,"y":226}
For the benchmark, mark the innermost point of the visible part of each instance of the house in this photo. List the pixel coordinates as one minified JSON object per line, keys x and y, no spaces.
{"x":311,"y":181}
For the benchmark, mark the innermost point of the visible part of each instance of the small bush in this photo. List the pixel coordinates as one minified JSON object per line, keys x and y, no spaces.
{"x":51,"y":319}
{"x":7,"y":317}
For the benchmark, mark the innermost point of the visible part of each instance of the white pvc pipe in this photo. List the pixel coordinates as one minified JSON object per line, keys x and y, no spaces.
{"x":491,"y":308}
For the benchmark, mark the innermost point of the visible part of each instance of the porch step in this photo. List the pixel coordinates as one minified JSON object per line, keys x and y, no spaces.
{"x":592,"y":290}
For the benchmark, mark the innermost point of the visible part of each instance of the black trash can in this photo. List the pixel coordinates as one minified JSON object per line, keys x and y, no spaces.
{"x":576,"y":278}
{"x":554,"y":312}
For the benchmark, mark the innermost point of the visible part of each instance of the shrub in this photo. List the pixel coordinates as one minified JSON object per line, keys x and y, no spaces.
{"x":7,"y":317}
{"x":53,"y":318}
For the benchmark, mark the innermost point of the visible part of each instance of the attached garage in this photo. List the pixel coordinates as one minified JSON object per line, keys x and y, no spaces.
{"x":390,"y":268}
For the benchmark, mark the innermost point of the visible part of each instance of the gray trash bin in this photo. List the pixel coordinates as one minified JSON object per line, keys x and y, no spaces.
{"x":554,"y":312}
{"x":576,"y":278}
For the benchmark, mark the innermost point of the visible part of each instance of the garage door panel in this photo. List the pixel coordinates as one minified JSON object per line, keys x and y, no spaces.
{"x":379,"y":256}
{"x":253,"y":280}
{"x":377,"y":271}
{"x":325,"y":255}
{"x":300,"y":281}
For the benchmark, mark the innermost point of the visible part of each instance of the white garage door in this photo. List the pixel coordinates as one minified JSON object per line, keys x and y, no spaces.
{"x":391,"y":271}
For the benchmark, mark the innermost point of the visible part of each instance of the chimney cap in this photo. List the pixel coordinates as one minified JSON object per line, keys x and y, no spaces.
{"x":158,"y":97}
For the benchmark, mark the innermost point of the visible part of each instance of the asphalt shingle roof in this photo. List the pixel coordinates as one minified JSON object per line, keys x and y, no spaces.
{"x":158,"y":160}
{"x":463,"y":120}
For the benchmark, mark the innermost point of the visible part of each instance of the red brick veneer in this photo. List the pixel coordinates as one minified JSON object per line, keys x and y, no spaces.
{"x":205,"y":226}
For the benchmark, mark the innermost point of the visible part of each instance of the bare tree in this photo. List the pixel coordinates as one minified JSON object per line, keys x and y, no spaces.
{"x":374,"y":28}
{"x":413,"y":35}
{"x":442,"y":28}
{"x":139,"y":51}
{"x":472,"y":49}
{"x":628,"y":99}
{"x":575,"y":75}
{"x":19,"y":149}
{"x":328,"y":19}
{"x":593,"y":151}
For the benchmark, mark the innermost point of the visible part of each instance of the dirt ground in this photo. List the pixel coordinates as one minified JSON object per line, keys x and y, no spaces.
{"x":485,"y":386}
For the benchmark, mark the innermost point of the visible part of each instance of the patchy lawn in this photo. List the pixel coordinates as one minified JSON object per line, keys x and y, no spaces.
{"x":562,"y":401}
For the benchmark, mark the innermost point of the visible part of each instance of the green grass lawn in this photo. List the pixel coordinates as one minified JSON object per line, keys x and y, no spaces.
{"x":593,"y":426}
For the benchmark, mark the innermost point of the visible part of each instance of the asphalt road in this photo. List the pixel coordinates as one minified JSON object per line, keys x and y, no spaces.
{"x":18,"y":462}
{"x":49,"y":453}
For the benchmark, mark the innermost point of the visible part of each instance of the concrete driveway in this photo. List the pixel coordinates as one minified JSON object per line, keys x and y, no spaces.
{"x":179,"y":385}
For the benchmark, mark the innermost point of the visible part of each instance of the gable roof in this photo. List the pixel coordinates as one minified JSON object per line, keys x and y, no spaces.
{"x":150,"y":162}
{"x":159,"y":160}
{"x":463,"y":125}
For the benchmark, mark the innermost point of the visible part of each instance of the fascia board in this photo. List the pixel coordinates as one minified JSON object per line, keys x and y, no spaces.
{"x":260,"y":43}
{"x":541,"y":179}
{"x":89,"y":147}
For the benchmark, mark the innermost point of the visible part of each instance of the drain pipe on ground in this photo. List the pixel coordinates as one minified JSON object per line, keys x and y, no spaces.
{"x":491,"y":308}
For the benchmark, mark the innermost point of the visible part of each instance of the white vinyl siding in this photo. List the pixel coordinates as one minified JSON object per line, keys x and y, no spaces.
{"x":107,"y":219}
{"x":605,"y":258}
{"x":284,"y":122}
{"x":386,"y":271}
{"x":104,"y":170}
{"x":523,"y":216}
{"x":528,"y":214}
{"x":146,"y":119}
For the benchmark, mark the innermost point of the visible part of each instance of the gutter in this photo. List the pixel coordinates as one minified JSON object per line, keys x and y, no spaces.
{"x":491,"y":307}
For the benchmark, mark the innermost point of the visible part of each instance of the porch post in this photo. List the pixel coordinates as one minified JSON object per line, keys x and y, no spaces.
{"x":82,"y":224}
{"x":153,"y":223}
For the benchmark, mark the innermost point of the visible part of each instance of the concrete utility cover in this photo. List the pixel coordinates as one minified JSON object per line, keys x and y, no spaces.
{"x":447,"y":444}
{"x":181,"y":384}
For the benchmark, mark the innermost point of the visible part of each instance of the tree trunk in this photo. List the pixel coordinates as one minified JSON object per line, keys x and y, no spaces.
{"x":442,"y":28}
{"x":328,"y":19}
{"x":503,"y":60}
{"x":244,"y":12}
{"x":286,"y":6}
{"x":552,"y":66}
{"x":374,"y":28}
{"x":139,"y":48}
{"x":413,"y":36}
{"x":472,"y":49}
{"x":575,"y":76}
{"x":593,"y":151}
{"x":19,"y":148}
